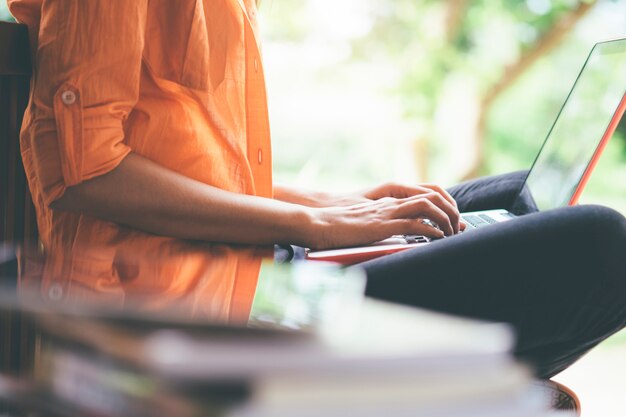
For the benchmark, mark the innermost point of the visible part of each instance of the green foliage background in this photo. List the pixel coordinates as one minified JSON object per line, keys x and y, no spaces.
{"x":417,"y":64}
{"x":399,"y":59}
{"x":4,"y":12}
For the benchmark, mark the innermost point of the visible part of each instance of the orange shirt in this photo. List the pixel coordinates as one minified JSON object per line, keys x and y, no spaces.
{"x":177,"y":81}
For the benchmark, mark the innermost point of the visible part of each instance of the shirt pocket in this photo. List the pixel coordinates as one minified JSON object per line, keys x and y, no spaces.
{"x":176,"y":47}
{"x":215,"y":51}
{"x":196,"y":63}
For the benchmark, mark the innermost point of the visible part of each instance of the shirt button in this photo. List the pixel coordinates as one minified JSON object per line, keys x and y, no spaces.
{"x":68,"y":97}
{"x":55,"y":292}
{"x":260,"y":156}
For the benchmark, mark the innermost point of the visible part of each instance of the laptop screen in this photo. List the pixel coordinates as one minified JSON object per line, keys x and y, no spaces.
{"x":582,"y":128}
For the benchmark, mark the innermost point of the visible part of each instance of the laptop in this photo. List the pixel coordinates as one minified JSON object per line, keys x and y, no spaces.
{"x":570,"y":152}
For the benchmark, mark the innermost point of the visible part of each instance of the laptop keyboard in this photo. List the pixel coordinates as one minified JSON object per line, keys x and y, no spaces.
{"x":475,"y":220}
{"x":479,"y":220}
{"x":415,"y":239}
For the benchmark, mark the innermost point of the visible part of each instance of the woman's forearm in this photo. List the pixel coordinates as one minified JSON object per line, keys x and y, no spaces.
{"x":144,"y":195}
{"x":316,"y":199}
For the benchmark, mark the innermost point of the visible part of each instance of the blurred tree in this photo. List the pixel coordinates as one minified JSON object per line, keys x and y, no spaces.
{"x":4,"y":12}
{"x":463,"y":52}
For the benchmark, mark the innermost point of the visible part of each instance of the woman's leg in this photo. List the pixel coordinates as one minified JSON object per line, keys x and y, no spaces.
{"x":559,"y":277}
{"x":495,"y":192}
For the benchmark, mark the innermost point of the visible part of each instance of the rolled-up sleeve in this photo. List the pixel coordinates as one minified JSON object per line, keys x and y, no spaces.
{"x":86,"y":83}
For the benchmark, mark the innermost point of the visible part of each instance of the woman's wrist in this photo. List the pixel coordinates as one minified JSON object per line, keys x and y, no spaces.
{"x":304,"y":226}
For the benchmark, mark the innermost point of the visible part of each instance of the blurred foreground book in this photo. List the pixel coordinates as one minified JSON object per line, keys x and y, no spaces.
{"x":379,"y":360}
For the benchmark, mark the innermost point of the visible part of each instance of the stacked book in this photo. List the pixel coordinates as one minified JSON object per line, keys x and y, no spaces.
{"x":389,"y":361}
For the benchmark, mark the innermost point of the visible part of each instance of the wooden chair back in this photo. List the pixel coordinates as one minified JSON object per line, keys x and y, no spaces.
{"x":17,"y":213}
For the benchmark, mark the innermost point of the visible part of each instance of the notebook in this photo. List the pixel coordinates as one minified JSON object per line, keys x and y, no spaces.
{"x":570,"y":152}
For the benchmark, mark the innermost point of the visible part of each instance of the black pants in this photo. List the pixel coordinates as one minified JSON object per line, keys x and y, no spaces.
{"x":559,"y":277}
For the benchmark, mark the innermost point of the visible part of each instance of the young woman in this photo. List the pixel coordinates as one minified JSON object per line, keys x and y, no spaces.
{"x":147,"y":128}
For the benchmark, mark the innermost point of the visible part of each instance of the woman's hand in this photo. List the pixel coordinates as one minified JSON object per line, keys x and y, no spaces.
{"x":380,"y":217}
{"x":381,"y":204}
{"x":406,"y":191}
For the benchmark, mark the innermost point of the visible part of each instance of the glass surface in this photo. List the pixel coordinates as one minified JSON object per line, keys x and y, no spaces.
{"x":579,"y":127}
{"x":307,"y":296}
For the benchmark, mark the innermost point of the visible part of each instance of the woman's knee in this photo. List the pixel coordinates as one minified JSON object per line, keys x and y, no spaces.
{"x":600,"y":225}
{"x":603,"y":221}
{"x":604,"y":233}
